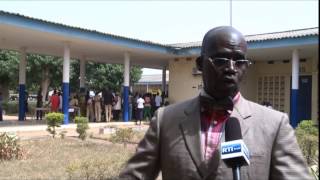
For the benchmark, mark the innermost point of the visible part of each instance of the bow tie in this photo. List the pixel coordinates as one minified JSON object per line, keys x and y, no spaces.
{"x":208,"y":103}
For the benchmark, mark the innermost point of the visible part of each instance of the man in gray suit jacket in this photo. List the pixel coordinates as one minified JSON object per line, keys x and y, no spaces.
{"x":183,"y":140}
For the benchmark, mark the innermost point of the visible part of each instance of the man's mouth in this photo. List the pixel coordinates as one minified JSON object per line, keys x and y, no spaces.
{"x":229,"y":79}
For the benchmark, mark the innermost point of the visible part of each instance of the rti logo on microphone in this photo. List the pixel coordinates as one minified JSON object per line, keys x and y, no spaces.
{"x":232,"y":148}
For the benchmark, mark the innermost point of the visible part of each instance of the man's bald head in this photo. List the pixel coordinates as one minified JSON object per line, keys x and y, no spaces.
{"x":221,"y":34}
{"x":226,"y":43}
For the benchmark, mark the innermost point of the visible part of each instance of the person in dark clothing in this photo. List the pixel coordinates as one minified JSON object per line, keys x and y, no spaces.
{"x":26,"y":104}
{"x":39,"y":105}
{"x":107,"y":101}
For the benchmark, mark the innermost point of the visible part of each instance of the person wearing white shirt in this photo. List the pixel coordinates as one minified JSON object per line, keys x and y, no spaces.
{"x":140,"y":106}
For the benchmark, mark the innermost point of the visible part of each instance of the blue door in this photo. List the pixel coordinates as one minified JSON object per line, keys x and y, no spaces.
{"x":304,"y":98}
{"x":301,"y":101}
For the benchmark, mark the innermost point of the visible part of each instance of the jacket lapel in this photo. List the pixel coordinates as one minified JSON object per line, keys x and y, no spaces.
{"x":242,"y":111}
{"x":190,"y":129}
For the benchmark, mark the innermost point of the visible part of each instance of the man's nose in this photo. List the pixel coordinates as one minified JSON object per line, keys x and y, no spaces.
{"x":231,"y":64}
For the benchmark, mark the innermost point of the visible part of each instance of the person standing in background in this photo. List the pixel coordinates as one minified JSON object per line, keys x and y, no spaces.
{"x":117,"y":106}
{"x":26,"y":104}
{"x":130,"y":106}
{"x":158,"y":101}
{"x":89,"y":109}
{"x":147,"y":107}
{"x":140,"y":106}
{"x":73,"y":106}
{"x":54,"y":101}
{"x":60,"y":100}
{"x":108,"y":100}
{"x":97,"y":107}
{"x":134,"y":105}
{"x":39,"y":105}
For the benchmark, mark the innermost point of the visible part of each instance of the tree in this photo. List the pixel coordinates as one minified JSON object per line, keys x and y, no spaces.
{"x":100,"y":76}
{"x":43,"y":71}
{"x":46,"y":71}
{"x":9,"y":71}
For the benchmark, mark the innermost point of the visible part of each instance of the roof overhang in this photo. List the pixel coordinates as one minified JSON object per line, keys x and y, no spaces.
{"x":275,"y":49}
{"x":42,"y":37}
{"x":37,"y":36}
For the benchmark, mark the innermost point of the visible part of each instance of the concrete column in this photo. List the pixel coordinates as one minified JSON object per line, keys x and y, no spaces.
{"x":164,"y":79}
{"x":164,"y":82}
{"x":65,"y":82}
{"x":22,"y":84}
{"x":82,"y":74}
{"x":294,"y":89}
{"x":126,"y":87}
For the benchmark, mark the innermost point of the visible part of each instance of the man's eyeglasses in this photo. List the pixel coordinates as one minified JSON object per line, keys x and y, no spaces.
{"x":221,"y":62}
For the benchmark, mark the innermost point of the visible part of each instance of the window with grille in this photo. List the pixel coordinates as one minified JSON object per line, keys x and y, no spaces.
{"x":272,"y":89}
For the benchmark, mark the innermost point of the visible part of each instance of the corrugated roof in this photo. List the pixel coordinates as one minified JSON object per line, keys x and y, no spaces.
{"x":263,"y":37}
{"x":250,"y":38}
{"x":79,"y":28}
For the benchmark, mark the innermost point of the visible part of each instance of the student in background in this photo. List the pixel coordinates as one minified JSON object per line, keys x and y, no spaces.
{"x":108,"y":100}
{"x":54,"y":101}
{"x":97,"y":107}
{"x":39,"y":105}
{"x":147,"y":107}
{"x":117,"y":106}
{"x":140,"y":106}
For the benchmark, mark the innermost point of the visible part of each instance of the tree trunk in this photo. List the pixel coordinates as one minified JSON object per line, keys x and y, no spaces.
{"x":45,"y":82}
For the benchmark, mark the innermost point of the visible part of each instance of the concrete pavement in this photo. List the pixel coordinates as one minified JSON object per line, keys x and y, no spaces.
{"x":37,"y":128}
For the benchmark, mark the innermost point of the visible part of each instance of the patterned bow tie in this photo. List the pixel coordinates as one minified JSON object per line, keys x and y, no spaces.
{"x":213,"y":104}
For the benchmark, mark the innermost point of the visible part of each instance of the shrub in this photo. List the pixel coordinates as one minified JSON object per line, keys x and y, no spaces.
{"x":97,"y":169}
{"x":12,"y":107}
{"x":307,"y":136}
{"x":122,"y":135}
{"x":10,"y":147}
{"x":54,"y":120}
{"x":82,"y":127}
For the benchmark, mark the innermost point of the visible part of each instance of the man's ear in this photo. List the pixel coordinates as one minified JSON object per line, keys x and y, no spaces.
{"x":199,"y":62}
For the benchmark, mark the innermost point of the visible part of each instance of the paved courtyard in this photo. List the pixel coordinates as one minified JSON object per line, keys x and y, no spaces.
{"x":37,"y":128}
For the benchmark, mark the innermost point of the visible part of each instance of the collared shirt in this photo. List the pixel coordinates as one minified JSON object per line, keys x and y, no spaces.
{"x":212,"y":123}
{"x":158,"y":100}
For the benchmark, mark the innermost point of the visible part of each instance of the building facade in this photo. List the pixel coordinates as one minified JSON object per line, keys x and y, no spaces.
{"x":269,"y":77}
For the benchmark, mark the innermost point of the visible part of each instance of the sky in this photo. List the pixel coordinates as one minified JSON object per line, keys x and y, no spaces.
{"x":170,"y":22}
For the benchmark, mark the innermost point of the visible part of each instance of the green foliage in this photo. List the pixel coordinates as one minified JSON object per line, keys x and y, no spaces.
{"x":10,"y":147}
{"x":82,"y":127}
{"x":11,"y":107}
{"x":122,"y":135}
{"x":109,"y":75}
{"x":46,"y":71}
{"x":9,"y":63}
{"x":54,"y":120}
{"x":42,"y":67}
{"x":307,"y":135}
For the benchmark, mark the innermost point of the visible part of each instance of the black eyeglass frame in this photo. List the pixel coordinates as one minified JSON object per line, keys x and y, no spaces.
{"x":226,"y":61}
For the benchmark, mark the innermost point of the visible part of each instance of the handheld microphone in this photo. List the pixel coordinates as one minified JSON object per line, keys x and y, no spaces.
{"x":233,"y":151}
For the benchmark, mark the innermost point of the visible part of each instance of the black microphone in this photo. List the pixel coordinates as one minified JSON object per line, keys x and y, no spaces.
{"x":233,"y":151}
